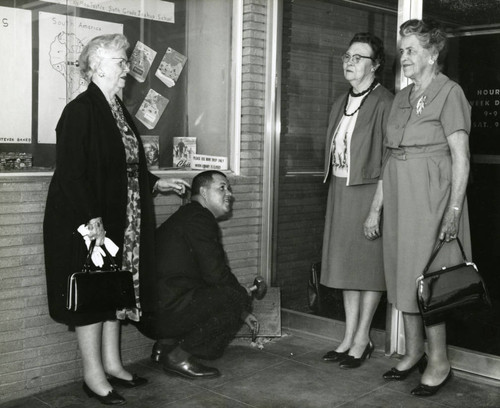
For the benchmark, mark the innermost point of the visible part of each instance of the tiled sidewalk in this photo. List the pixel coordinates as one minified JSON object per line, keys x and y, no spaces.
{"x":286,"y":373}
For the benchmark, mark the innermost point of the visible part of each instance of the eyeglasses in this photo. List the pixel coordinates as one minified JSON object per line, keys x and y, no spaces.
{"x":123,"y":63}
{"x":354,"y":58}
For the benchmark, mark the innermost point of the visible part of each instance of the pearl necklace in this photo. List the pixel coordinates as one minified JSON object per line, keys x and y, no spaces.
{"x":366,"y":92}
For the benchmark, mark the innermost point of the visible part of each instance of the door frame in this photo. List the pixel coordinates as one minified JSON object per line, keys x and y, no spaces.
{"x":467,"y":361}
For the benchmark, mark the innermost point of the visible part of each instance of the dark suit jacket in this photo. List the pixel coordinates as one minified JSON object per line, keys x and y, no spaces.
{"x":189,"y":255}
{"x":89,"y":181}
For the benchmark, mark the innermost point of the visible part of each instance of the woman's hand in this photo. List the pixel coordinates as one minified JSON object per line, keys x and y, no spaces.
{"x":165,"y":185}
{"x":460,"y":165}
{"x":371,"y":227}
{"x":96,"y":230}
{"x":449,"y":225}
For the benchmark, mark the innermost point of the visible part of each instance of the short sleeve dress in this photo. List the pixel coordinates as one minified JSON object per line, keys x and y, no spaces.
{"x":417,"y":185}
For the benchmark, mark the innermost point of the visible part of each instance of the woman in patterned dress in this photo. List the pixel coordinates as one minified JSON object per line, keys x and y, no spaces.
{"x":425,"y":179}
{"x":101,"y":182}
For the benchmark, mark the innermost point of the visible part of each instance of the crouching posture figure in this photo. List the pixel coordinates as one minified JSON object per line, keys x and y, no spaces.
{"x":201,"y":304}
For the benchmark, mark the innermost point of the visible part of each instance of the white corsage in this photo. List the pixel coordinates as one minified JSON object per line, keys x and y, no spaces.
{"x":421,"y":104}
{"x":98,"y":253}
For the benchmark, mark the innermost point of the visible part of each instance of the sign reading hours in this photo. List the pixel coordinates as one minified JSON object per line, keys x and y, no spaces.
{"x":474,"y":62}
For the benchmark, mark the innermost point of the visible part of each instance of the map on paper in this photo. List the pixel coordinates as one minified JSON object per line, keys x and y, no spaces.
{"x":16,"y":83}
{"x":61,"y":42}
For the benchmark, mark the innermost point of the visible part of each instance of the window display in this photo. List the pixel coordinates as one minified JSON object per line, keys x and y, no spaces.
{"x":180,"y":81}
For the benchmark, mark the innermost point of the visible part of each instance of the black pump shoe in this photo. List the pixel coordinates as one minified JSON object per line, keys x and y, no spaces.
{"x":113,"y":398}
{"x":335,"y":355}
{"x":353,"y":362}
{"x":136,"y":381}
{"x":423,"y":390}
{"x":396,"y":375}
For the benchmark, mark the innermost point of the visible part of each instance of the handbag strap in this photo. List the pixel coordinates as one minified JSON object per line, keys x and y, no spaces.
{"x":436,"y":250}
{"x":87,"y":264}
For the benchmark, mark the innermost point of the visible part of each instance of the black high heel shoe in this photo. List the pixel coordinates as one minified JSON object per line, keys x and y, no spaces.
{"x":113,"y":398}
{"x":399,"y":375}
{"x":335,"y":355}
{"x":353,"y":362}
{"x":423,"y":390}
{"x":136,"y":381}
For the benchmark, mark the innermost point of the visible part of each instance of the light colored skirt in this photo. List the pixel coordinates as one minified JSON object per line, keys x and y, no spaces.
{"x":416,"y":194}
{"x":349,"y":260}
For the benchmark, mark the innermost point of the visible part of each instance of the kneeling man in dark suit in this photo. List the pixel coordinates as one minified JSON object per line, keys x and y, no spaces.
{"x":201,"y":304}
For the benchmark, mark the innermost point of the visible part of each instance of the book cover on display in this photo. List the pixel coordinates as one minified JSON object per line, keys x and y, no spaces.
{"x":184,"y":149}
{"x":140,"y":61}
{"x":170,"y":67}
{"x":151,"y":109}
{"x":152,"y":150}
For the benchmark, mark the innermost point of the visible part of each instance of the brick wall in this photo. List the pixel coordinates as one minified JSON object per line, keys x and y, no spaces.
{"x":35,"y":352}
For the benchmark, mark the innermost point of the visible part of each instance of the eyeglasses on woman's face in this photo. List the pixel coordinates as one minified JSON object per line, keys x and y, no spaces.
{"x":122,"y":62}
{"x":346,"y":58}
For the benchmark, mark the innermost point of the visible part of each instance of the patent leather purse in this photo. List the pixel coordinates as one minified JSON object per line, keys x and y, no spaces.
{"x":458,"y":288}
{"x":93,"y":291}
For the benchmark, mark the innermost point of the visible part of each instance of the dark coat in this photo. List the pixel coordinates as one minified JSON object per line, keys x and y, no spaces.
{"x":89,"y":181}
{"x":190,"y":255}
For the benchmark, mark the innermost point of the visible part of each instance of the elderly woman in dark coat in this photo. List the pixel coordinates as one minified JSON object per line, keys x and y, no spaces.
{"x":101,"y":182}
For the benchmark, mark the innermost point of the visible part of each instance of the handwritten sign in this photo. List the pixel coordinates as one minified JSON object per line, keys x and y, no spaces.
{"x":157,"y":10}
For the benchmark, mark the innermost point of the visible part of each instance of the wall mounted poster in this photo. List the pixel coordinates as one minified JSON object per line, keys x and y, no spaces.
{"x":61,"y":42}
{"x":15,"y":74}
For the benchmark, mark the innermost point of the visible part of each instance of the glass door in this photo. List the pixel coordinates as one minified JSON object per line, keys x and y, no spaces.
{"x":474,"y":62}
{"x":315,"y":33}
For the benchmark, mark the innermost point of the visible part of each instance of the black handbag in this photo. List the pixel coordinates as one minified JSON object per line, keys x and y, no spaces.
{"x":313,"y":288}
{"x":92,"y":291}
{"x":450,"y":289}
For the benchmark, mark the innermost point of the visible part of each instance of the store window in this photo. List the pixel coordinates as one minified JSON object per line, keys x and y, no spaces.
{"x":180,"y":90}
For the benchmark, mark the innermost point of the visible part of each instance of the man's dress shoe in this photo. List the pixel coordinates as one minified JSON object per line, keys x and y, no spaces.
{"x":189,"y":368}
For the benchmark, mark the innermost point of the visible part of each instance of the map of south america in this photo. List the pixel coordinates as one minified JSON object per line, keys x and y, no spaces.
{"x":62,"y":39}
{"x":63,"y":56}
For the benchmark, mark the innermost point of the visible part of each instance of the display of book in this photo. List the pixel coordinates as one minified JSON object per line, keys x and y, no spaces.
{"x":184,"y":149}
{"x":152,"y":150}
{"x":171,"y":67}
{"x":140,"y":61}
{"x":151,"y":109}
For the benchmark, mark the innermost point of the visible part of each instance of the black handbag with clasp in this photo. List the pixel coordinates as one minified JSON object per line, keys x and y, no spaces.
{"x":450,"y":289}
{"x":91,"y":291}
